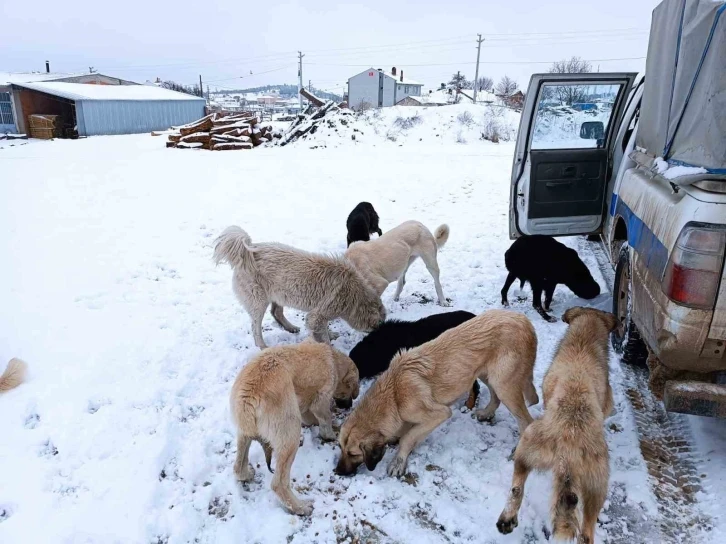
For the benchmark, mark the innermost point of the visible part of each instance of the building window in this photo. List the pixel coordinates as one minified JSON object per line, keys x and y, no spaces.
{"x":6,"y":110}
{"x":406,"y":89}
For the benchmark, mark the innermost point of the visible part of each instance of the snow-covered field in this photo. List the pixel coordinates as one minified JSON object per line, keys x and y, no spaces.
{"x":133,"y":338}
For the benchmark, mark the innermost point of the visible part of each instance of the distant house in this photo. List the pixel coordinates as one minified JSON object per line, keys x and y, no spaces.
{"x":427,"y":99}
{"x":514,"y":101}
{"x":10,"y":120}
{"x":267,"y":100}
{"x":374,"y":88}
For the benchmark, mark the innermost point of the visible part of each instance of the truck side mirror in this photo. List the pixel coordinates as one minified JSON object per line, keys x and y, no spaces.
{"x":592,"y":130}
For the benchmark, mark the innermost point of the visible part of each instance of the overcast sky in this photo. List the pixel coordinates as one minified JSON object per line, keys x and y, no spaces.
{"x":226,"y":40}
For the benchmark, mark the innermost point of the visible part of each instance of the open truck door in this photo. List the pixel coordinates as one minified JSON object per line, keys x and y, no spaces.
{"x":563,"y":159}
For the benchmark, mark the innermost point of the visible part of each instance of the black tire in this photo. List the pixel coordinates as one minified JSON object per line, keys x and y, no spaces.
{"x":626,"y":339}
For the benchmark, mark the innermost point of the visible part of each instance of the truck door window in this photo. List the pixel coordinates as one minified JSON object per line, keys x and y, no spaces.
{"x":573,"y":116}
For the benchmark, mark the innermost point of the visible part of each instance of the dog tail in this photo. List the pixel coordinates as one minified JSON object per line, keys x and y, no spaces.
{"x":268,"y":451}
{"x":231,"y":247}
{"x":14,"y":375}
{"x":442,"y":235}
{"x":565,"y":523}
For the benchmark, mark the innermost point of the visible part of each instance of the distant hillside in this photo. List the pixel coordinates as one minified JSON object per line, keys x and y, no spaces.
{"x":285,"y":90}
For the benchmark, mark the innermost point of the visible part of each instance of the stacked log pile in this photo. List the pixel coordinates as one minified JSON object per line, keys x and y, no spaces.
{"x":221,"y":133}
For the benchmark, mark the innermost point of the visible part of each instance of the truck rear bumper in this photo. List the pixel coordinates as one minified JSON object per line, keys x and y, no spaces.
{"x":696,"y":398}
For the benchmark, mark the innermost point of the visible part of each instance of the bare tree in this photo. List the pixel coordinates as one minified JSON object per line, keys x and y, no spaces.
{"x":575,"y":65}
{"x":506,"y":86}
{"x":568,"y":94}
{"x":485,"y":83}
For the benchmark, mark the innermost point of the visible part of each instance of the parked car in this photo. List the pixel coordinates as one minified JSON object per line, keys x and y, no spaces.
{"x":648,"y":176}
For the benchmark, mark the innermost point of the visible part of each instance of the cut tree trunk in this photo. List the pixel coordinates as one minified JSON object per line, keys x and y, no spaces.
{"x":312,"y":98}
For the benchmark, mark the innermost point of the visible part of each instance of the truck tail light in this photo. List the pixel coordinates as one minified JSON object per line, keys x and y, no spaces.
{"x":693,"y":273}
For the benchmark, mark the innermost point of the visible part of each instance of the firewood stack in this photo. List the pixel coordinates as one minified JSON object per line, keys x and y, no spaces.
{"x":221,"y":133}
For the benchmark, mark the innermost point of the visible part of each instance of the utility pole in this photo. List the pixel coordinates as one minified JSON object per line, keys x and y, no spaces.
{"x":310,"y":85}
{"x":300,"y":85}
{"x":201,"y":87}
{"x":476,"y":74}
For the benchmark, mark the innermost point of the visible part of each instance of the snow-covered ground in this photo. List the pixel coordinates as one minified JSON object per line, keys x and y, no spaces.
{"x":133,"y":338}
{"x":428,"y":127}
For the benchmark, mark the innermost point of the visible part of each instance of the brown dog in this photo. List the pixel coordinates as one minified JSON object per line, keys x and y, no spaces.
{"x":275,"y":393}
{"x":569,"y":439}
{"x":414,"y":395}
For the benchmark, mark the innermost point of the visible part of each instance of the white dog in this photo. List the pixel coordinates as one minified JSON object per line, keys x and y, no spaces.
{"x":275,"y":274}
{"x":387,"y":258}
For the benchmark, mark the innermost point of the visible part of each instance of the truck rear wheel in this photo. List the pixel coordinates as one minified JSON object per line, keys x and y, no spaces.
{"x":626,"y":339}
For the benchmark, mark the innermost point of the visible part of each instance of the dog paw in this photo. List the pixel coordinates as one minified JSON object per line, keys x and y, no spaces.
{"x":505,"y":303}
{"x":305,"y":508}
{"x":551,"y":319}
{"x":483,"y":415}
{"x":506,"y":526}
{"x":445,"y":304}
{"x":245,"y":475}
{"x":397,"y":467}
{"x":327,"y":435}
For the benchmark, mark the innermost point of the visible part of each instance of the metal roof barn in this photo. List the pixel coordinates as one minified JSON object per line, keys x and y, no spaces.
{"x":110,"y":109}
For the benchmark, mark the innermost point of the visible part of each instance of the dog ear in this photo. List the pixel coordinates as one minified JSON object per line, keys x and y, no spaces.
{"x":572,"y":313}
{"x":373,"y":453}
{"x":356,"y":387}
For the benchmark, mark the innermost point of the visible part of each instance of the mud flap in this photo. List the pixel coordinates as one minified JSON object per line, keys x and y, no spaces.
{"x":696,"y":398}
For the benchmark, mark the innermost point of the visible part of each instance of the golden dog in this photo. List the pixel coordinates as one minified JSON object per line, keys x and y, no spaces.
{"x":569,"y":439}
{"x":414,"y":395}
{"x":275,"y":393}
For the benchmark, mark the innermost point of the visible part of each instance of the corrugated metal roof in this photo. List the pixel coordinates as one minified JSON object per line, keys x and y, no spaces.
{"x":86,"y":91}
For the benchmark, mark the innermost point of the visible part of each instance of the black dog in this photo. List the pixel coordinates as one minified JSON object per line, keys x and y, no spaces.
{"x":362,"y":222}
{"x":373,"y":354}
{"x":544,"y":262}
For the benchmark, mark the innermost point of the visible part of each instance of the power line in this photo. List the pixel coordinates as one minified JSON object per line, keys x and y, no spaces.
{"x":503,"y":37}
{"x":484,"y":62}
{"x":252,"y":74}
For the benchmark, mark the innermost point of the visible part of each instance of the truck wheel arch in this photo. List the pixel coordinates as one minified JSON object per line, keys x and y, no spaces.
{"x":619,"y":235}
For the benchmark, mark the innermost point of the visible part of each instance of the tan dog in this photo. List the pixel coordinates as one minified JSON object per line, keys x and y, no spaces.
{"x":387,"y":258}
{"x":14,"y":375}
{"x":569,"y":439}
{"x":275,"y":274}
{"x":414,"y":395}
{"x":275,"y":393}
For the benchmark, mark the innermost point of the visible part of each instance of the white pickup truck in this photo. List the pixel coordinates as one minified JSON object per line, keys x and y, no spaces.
{"x":642,"y":163}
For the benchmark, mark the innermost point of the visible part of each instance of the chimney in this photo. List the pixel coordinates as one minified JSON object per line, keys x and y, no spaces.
{"x":47,"y":67}
{"x":401,"y":76}
{"x":393,"y":71}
